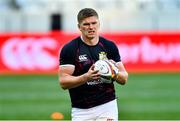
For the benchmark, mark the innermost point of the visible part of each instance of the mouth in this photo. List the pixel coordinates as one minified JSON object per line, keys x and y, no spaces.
{"x":91,"y":32}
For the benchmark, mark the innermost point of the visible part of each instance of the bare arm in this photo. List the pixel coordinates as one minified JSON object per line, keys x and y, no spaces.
{"x":67,"y":81}
{"x":122,"y":76}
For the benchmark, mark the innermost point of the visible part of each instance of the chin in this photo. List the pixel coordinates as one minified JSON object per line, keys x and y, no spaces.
{"x":91,"y":36}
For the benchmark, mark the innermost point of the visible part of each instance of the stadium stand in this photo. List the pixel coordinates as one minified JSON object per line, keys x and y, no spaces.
{"x":116,"y":15}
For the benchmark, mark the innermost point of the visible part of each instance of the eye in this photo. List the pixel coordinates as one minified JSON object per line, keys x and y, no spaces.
{"x":94,"y":23}
{"x":86,"y":24}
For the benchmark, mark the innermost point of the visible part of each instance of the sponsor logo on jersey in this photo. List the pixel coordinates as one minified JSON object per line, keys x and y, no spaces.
{"x":83,"y":58}
{"x":94,"y":82}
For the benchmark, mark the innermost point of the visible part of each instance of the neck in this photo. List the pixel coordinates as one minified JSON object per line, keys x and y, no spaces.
{"x":90,"y":41}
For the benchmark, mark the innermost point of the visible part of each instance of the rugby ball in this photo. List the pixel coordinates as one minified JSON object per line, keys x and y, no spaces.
{"x":105,"y":68}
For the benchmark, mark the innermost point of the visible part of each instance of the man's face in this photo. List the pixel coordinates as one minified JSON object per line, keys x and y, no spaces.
{"x":89,"y":27}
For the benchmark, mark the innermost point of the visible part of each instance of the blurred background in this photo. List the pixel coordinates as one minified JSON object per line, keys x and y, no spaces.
{"x":116,"y":15}
{"x":32,"y":32}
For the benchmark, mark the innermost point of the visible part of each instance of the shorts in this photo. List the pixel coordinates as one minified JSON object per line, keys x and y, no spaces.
{"x":104,"y":112}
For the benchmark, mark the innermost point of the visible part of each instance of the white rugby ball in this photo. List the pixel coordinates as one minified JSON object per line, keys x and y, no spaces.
{"x":104,"y":68}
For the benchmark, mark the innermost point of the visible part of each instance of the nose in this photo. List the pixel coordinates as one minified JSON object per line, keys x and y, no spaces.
{"x":91,"y":26}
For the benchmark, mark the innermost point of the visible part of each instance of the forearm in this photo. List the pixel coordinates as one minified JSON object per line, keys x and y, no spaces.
{"x":68,"y":81}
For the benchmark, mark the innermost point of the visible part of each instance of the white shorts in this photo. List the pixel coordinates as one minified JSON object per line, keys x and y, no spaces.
{"x":104,"y":112}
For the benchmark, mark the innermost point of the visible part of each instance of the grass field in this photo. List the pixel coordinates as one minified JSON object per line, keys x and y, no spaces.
{"x":146,"y":96}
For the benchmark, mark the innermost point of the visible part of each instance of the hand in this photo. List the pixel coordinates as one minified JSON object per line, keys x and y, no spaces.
{"x":112,"y":61}
{"x":121,"y":75}
{"x":114,"y":67}
{"x":92,"y":74}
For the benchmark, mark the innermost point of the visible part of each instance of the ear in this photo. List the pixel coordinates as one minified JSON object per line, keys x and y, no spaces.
{"x":79,"y":26}
{"x":99,"y":24}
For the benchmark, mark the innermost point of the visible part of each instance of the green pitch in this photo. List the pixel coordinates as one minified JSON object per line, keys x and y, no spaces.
{"x":145,"y":96}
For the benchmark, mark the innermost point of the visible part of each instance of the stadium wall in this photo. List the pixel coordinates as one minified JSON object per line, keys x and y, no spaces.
{"x":38,"y":53}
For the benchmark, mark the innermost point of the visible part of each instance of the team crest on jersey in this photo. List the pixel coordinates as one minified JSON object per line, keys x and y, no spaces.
{"x":102,"y":56}
{"x":83,"y":58}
